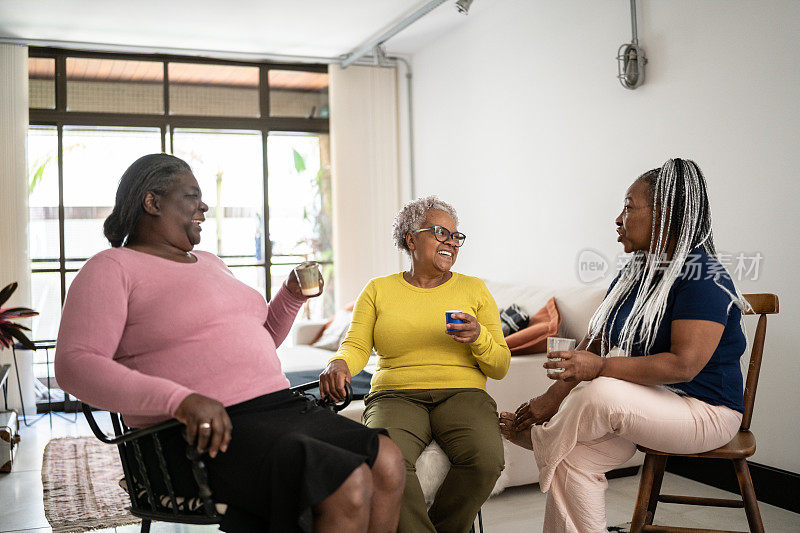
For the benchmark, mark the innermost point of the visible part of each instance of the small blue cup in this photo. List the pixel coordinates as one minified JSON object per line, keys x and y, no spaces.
{"x":449,"y":317}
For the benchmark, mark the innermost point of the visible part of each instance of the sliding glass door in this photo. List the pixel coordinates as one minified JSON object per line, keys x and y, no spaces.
{"x":300,"y":205}
{"x":255,"y":134}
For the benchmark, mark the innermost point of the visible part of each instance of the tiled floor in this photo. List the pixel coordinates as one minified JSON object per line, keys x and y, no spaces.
{"x":518,"y":509}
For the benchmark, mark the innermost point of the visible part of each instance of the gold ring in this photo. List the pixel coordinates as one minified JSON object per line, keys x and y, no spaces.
{"x":205,"y":425}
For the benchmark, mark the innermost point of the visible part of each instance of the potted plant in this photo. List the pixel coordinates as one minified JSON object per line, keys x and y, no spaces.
{"x":9,"y":331}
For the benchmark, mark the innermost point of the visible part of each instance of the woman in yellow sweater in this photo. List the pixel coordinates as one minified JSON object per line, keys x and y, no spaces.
{"x":431,"y":377}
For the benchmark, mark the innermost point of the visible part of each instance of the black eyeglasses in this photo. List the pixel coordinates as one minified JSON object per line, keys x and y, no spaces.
{"x":442,"y":234}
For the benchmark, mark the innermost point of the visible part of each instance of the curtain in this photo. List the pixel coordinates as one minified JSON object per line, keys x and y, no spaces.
{"x":14,"y":260}
{"x":365,"y":175}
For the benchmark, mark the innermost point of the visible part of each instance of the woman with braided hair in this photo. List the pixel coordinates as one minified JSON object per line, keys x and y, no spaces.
{"x":659,"y":365}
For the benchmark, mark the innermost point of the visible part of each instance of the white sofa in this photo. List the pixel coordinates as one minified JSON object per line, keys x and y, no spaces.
{"x":525,"y":379}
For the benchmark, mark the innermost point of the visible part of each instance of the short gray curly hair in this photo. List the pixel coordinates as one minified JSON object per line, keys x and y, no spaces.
{"x":412,"y":215}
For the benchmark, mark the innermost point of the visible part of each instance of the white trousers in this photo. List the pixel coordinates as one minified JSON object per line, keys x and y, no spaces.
{"x":597,"y":429}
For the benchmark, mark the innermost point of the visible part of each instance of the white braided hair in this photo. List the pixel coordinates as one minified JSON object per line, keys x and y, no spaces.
{"x":680,"y":196}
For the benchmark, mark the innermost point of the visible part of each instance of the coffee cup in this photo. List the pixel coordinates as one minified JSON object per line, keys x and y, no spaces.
{"x":448,"y":317}
{"x":307,"y":274}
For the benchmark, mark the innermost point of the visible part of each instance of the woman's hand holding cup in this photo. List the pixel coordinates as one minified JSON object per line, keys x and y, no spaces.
{"x":462,"y":327}
{"x":574,"y":365}
{"x":305,"y":281}
{"x":556,"y":346}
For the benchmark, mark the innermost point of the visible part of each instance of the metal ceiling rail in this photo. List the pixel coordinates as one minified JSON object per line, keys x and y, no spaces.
{"x":160,"y":50}
{"x":390,"y":31}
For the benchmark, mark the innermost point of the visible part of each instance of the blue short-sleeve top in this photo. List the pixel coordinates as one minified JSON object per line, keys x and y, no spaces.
{"x":701,"y":292}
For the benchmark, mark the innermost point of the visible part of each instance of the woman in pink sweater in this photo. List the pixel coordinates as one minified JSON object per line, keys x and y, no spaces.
{"x":155,"y":331}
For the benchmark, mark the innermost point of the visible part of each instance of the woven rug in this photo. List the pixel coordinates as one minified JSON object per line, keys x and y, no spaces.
{"x":81,"y":491}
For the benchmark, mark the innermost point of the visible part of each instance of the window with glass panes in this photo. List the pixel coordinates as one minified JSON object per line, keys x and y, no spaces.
{"x":255,"y":134}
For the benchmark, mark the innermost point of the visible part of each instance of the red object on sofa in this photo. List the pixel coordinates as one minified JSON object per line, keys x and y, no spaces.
{"x":533,"y":339}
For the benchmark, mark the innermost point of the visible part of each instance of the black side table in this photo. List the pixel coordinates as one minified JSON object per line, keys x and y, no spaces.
{"x":46,"y":346}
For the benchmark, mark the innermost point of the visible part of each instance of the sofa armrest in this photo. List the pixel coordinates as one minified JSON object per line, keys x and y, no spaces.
{"x":305,"y":331}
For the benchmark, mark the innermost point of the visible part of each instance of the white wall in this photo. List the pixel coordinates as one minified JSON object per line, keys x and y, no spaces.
{"x":522,"y":125}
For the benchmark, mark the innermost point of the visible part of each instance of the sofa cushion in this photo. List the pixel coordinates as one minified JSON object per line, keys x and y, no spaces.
{"x":334,"y":333}
{"x":533,"y":339}
{"x":575,"y":303}
{"x":329,"y":323}
{"x":513,"y":319}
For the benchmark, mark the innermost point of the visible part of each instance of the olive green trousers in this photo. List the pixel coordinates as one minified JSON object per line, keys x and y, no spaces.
{"x":464,"y":423}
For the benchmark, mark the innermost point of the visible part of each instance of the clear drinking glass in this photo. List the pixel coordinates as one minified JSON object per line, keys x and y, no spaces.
{"x":558,"y":344}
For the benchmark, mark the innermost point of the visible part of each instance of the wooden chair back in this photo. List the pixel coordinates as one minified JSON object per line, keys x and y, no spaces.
{"x":760,"y":304}
{"x":737,"y":450}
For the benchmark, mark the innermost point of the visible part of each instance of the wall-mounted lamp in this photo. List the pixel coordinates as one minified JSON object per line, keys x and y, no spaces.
{"x":463,"y":6}
{"x":630,"y":58}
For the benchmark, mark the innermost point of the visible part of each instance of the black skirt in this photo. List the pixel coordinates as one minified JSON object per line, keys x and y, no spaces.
{"x":285,"y":455}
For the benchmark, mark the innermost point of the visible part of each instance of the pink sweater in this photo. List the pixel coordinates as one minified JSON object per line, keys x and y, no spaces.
{"x":140,"y":333}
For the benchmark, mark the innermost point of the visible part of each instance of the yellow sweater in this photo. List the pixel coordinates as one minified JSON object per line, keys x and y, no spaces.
{"x":406,"y":325}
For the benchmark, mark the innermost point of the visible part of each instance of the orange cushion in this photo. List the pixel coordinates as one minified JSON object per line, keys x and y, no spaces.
{"x":533,"y":339}
{"x":348,"y":307}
